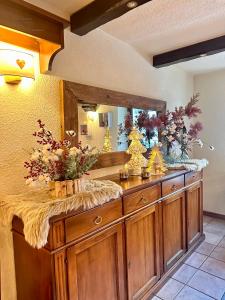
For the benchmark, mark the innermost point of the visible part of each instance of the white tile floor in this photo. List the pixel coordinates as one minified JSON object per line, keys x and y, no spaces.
{"x":202,"y":276}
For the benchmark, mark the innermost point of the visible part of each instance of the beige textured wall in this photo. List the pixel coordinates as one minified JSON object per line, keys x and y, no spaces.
{"x":99,"y":59}
{"x":96,"y":59}
{"x":211,"y":88}
{"x":21,"y":107}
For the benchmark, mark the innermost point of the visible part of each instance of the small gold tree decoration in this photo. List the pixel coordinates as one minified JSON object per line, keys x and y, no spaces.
{"x":136,"y":149}
{"x":107,"y":146}
{"x":156,"y":163}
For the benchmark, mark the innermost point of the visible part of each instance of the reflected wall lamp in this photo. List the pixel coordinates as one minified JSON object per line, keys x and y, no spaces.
{"x":15,"y":65}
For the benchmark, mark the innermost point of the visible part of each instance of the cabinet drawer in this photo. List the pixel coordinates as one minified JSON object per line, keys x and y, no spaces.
{"x":141,"y":198}
{"x":172,"y":185}
{"x":192,"y":177}
{"x":89,"y":221}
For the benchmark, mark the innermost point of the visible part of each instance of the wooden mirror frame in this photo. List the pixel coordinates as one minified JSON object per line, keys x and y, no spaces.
{"x":72,"y":92}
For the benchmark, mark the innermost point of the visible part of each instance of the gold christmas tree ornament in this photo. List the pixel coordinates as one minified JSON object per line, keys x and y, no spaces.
{"x":156,"y":164}
{"x":107,"y":146}
{"x":136,"y":149}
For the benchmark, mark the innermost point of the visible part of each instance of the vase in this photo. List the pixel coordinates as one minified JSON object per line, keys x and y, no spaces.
{"x":62,"y":189}
{"x":69,"y":187}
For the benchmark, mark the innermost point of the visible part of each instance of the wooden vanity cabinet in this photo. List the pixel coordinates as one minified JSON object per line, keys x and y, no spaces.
{"x":194,"y":212}
{"x":121,"y":250}
{"x":143,"y":252}
{"x":174,"y":229}
{"x":96,"y":267}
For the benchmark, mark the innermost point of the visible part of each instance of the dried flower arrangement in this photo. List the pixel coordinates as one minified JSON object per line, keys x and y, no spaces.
{"x":174,"y":130}
{"x":171,"y":126}
{"x":57,"y":160}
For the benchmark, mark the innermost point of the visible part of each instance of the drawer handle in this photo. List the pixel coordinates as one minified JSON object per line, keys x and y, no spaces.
{"x":98,"y":220}
{"x":144,"y":200}
{"x":174,"y":187}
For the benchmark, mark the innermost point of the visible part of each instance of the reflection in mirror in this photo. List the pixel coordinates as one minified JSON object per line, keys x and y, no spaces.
{"x":106,"y":128}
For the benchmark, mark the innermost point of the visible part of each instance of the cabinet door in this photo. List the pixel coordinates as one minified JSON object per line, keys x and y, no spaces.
{"x":142,"y":244}
{"x":194,"y":214}
{"x":174,"y":235}
{"x":96,"y":267}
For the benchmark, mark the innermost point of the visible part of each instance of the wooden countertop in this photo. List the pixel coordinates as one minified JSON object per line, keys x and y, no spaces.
{"x":134,"y":183}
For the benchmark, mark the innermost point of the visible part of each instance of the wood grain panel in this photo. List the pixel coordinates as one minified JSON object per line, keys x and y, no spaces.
{"x":194,"y":214}
{"x":96,"y":267}
{"x":141,"y":198}
{"x":60,"y":275}
{"x":98,"y":13}
{"x":92,"y":94}
{"x":92,"y":220}
{"x":172,"y":185}
{"x":58,"y":234}
{"x":174,"y":234}
{"x":187,"y":53}
{"x":18,"y":17}
{"x":142,"y":240}
{"x":33,"y":271}
{"x":192,"y":177}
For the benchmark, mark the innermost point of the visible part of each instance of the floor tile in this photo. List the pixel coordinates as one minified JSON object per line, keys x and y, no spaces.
{"x":188,"y":293}
{"x":214,"y":267}
{"x":184,"y":273}
{"x":207,"y":220}
{"x":196,"y":260}
{"x":222,"y":243}
{"x":205,"y":248}
{"x":213,"y":238}
{"x":208,"y":284}
{"x":217,"y":228}
{"x":170,"y":290}
{"x":218,"y":253}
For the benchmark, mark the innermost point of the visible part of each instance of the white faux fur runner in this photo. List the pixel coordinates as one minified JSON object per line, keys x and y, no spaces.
{"x":190,"y":164}
{"x":35,"y":208}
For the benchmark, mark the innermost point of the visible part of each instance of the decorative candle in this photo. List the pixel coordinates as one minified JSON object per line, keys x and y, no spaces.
{"x":145,"y":173}
{"x":124,"y":174}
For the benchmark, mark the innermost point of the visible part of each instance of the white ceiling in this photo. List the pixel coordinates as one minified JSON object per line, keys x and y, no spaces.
{"x":161,"y":25}
{"x":204,"y":64}
{"x":63,"y":8}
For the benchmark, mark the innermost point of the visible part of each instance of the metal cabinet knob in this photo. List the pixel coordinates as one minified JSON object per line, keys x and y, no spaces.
{"x":174,"y":187}
{"x":98,"y":220}
{"x":144,"y":200}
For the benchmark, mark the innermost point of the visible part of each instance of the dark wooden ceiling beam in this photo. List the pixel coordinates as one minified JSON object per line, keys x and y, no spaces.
{"x":100,"y":12}
{"x":205,"y":48}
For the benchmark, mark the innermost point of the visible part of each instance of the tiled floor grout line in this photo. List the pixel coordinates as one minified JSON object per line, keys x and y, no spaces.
{"x":186,"y":285}
{"x":218,"y":259}
{"x":212,"y":274}
{"x":200,"y":264}
{"x":201,"y":292}
{"x":199,"y":268}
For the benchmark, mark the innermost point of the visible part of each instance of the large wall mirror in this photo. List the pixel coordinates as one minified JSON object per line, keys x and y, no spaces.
{"x":99,"y":118}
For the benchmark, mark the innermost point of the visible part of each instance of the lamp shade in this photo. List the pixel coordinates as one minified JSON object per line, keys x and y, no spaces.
{"x":16,"y":64}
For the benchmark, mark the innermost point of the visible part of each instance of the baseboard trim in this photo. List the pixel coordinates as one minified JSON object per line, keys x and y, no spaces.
{"x":213,"y":215}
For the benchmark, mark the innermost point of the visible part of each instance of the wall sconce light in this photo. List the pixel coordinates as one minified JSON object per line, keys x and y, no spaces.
{"x":92,"y":116}
{"x":14,"y":65}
